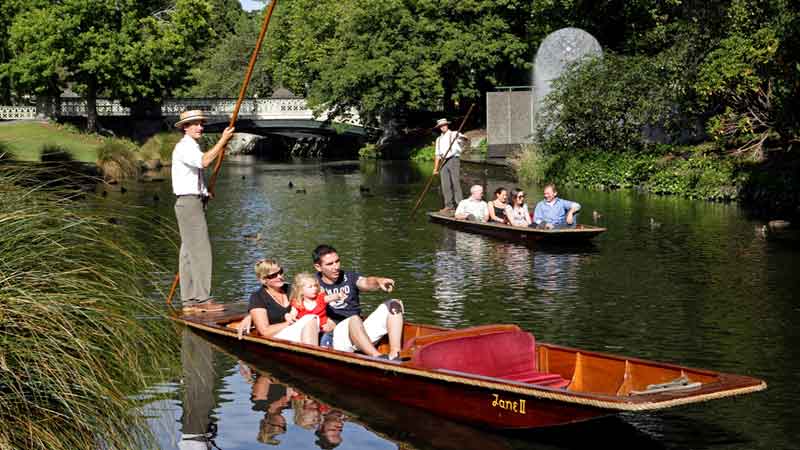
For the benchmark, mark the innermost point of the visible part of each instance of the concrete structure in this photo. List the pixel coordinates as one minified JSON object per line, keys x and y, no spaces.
{"x":509,"y":119}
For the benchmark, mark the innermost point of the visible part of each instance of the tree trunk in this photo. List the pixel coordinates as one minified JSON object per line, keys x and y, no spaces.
{"x":91,"y":108}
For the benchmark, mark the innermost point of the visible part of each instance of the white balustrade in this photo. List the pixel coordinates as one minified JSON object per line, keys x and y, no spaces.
{"x":17,"y":112}
{"x":217,"y":108}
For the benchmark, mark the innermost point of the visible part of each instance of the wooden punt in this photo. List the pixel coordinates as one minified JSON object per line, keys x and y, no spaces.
{"x":493,"y":376}
{"x":519,"y":234}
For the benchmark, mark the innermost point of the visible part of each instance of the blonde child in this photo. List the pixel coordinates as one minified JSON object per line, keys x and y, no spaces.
{"x":307,"y":298}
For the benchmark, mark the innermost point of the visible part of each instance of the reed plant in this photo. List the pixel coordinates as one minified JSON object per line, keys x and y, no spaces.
{"x":73,"y":347}
{"x":160,"y":146}
{"x":531,"y":164}
{"x":116,"y":158}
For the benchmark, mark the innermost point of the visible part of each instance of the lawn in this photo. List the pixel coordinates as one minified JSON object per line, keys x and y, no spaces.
{"x":26,"y":139}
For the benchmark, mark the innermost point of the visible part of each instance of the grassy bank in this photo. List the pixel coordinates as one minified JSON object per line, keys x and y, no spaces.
{"x":73,"y":351}
{"x":26,"y":140}
{"x":693,"y":172}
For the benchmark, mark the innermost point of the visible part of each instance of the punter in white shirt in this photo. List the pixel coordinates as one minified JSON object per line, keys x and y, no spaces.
{"x":448,"y":163}
{"x":188,"y":184}
{"x":473,"y":207}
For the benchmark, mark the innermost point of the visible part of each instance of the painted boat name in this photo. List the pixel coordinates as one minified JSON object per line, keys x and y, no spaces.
{"x":517,"y":406}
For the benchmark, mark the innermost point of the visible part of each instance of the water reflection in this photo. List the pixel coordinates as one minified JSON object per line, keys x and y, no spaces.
{"x":199,"y":377}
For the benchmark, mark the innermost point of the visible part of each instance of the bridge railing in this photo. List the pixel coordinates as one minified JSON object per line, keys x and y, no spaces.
{"x":252,"y":108}
{"x":17,"y":112}
{"x":218,"y":108}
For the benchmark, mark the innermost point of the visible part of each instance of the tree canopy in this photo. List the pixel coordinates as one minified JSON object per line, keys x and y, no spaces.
{"x":135,"y":51}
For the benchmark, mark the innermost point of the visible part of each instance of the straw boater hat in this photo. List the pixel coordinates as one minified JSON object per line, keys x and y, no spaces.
{"x":194,"y":115}
{"x":441,"y":122}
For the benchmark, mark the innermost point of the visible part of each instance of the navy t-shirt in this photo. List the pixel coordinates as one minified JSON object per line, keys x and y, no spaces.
{"x":341,"y":309}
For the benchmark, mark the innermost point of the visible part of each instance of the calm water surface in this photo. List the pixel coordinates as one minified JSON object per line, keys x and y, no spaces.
{"x":673,"y":280}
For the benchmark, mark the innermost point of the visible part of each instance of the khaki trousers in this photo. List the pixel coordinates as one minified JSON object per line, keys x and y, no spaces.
{"x":450,"y":176}
{"x":195,"y":257}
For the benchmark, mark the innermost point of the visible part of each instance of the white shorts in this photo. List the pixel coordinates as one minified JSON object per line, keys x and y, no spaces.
{"x":295,"y":331}
{"x":374,"y":325}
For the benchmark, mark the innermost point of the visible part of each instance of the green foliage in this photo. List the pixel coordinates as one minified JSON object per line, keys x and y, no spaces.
{"x":531,"y":164}
{"x":74,"y":353}
{"x":695,"y":172}
{"x":136,"y":56}
{"x":607,"y":103}
{"x":426,"y":153}
{"x":392,"y":57}
{"x":369,"y":151}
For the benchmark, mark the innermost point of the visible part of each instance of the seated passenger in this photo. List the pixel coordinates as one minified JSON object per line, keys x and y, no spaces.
{"x":269,"y":309}
{"x":350,"y":332}
{"x":517,"y":212}
{"x":473,"y":207}
{"x":497,"y":207}
{"x":308,"y":299}
{"x":553,"y":212}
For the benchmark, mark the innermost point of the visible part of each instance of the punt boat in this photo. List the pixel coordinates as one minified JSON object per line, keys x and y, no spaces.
{"x":519,"y":234}
{"x":495,"y":376}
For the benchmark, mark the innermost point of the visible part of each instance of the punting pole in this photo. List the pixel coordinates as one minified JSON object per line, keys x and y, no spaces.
{"x":218,"y":163}
{"x":430,"y":180}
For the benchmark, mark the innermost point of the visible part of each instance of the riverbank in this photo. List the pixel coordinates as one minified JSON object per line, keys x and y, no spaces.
{"x":770,"y":187}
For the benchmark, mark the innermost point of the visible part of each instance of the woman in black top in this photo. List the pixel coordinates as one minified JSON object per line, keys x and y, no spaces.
{"x":497,"y":207}
{"x":269,"y":309}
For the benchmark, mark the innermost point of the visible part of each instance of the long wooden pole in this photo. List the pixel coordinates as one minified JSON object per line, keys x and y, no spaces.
{"x":444,"y":157}
{"x":242,"y":92}
{"x":213,"y":181}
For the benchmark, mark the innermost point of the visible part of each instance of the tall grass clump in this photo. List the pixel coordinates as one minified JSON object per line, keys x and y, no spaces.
{"x":531,"y":164}
{"x":160,"y":146}
{"x":116,"y":158}
{"x":55,"y":153}
{"x":73,"y":352}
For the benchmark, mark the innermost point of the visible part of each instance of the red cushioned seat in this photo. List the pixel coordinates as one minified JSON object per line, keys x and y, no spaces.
{"x":508,"y":355}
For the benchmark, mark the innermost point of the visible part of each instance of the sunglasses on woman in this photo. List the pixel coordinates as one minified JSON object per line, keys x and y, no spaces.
{"x":274,"y":274}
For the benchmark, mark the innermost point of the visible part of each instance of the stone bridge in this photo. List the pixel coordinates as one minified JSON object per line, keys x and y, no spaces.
{"x":289,"y":117}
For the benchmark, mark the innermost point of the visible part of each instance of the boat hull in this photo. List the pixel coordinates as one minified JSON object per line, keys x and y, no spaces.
{"x":498,"y":403}
{"x":581,"y":233}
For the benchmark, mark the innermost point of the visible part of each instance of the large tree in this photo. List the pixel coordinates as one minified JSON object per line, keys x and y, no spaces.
{"x":136,"y":51}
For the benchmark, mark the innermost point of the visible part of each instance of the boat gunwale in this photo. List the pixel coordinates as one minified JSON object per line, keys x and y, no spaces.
{"x":647,"y":402}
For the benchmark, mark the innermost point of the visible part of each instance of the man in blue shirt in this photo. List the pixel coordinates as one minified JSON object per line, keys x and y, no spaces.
{"x":553,"y":212}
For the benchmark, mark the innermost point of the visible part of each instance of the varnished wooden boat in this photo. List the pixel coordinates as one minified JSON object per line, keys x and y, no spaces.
{"x":495,"y":375}
{"x":519,"y":234}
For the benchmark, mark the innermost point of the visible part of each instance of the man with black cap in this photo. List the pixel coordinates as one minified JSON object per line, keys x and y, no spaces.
{"x":448,"y":164}
{"x":188,"y":184}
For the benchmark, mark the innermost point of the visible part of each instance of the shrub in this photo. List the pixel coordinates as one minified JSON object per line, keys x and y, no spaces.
{"x":531,"y":164}
{"x":369,"y":151}
{"x":608,"y":103}
{"x":422,"y":154}
{"x":117,"y":159}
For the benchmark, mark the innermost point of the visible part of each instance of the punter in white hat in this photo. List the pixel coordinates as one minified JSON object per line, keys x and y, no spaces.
{"x":447,"y":161}
{"x":189,"y":186}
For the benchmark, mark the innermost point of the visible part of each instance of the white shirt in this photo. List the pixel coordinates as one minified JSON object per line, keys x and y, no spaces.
{"x":443,"y":143}
{"x":477,"y":208}
{"x":187,"y":168}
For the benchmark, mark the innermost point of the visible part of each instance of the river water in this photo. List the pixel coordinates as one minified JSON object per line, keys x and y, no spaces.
{"x":674,"y":280}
